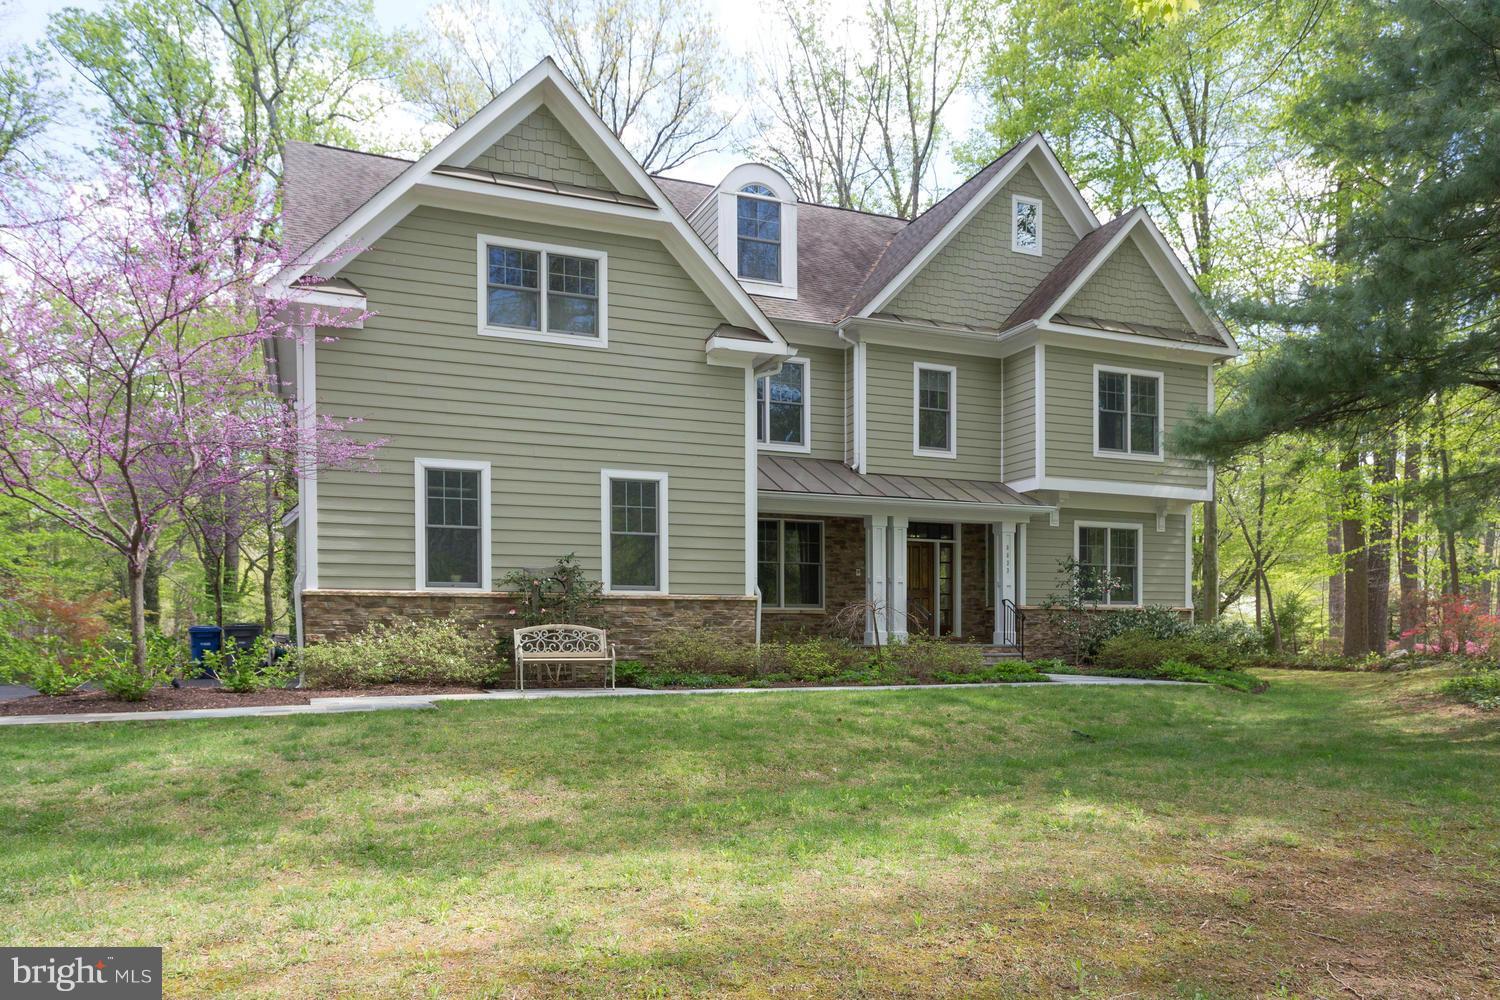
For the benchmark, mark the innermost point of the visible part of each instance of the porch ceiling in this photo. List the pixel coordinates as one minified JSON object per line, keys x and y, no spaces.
{"x":792,"y":477}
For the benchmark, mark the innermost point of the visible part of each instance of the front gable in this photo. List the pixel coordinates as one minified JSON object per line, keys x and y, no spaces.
{"x":542,"y":148}
{"x":1126,"y":289}
{"x":977,"y":279}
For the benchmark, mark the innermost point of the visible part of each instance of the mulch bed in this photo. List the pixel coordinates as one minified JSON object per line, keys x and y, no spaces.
{"x":171,"y":699}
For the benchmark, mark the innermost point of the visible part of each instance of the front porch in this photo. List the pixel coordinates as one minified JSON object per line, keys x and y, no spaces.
{"x":884,"y":558}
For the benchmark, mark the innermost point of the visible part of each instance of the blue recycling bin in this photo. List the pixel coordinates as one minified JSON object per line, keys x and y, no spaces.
{"x":204,"y":639}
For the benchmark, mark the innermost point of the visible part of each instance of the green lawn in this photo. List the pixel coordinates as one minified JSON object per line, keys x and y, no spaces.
{"x":1337,"y":836}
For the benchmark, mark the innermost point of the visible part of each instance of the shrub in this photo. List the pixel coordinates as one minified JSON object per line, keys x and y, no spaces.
{"x":689,"y":651}
{"x":813,"y":660}
{"x":119,"y":677}
{"x":1177,"y":670}
{"x":456,"y":650}
{"x":1233,"y":634}
{"x":922,"y":659}
{"x":49,"y":674}
{"x":1006,"y":671}
{"x":1143,"y":652}
{"x":249,"y":670}
{"x":1480,"y":688}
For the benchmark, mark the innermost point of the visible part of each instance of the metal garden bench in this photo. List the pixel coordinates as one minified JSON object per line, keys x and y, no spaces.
{"x":556,"y":646}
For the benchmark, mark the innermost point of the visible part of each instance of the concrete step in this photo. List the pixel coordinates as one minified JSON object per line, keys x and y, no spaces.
{"x":994,"y":654}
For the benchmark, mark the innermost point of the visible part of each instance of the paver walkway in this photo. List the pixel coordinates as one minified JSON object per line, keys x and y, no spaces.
{"x":375,"y":703}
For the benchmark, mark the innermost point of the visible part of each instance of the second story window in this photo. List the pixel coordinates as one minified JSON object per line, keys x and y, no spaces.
{"x":1026,"y":225}
{"x":1128,"y":413}
{"x":536,"y":292}
{"x":758,"y":225}
{"x":934,"y":411}
{"x":781,"y":407}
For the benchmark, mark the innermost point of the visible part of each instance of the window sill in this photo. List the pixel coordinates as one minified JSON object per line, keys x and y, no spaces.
{"x":439,"y":589}
{"x":598,"y":342}
{"x":927,"y":453}
{"x":1129,"y":456}
{"x":797,"y":449}
{"x":774,"y":289}
{"x":794,"y":611}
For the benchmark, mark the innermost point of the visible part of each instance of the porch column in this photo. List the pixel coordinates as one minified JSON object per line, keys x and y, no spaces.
{"x":898,"y":578}
{"x":877,"y":583}
{"x":1004,"y":542}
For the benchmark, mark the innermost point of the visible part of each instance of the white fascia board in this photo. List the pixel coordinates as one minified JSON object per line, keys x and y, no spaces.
{"x":1082,"y":337}
{"x":1064,"y":193}
{"x":772,"y":501}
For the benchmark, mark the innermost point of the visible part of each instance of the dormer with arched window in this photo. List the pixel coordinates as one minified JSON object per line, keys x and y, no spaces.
{"x":756,"y":212}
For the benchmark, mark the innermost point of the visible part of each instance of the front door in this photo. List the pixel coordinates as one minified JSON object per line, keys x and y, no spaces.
{"x":931,"y":557}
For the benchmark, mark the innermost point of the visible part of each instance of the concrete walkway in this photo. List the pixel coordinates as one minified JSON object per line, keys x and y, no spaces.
{"x":376,"y":703}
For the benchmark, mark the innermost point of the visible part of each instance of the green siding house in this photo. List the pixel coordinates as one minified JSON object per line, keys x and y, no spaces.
{"x":745,"y":412}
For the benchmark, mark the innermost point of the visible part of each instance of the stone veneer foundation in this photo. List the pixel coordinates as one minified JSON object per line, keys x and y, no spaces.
{"x":634,"y":622}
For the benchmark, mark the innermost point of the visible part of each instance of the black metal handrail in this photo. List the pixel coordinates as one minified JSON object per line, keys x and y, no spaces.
{"x":1009,"y":607}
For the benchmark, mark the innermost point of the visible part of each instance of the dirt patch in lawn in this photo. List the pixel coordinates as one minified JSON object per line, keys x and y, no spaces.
{"x":176,"y":699}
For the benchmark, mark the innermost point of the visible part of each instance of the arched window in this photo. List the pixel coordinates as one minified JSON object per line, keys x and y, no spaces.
{"x":758,"y":225}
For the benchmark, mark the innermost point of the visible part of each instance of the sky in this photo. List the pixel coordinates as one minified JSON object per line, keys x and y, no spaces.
{"x":743,"y":25}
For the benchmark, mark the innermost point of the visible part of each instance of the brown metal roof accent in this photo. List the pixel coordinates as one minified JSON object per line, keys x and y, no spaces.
{"x":1043,"y":298}
{"x":332,"y":286}
{"x":1139,"y":329}
{"x":738,"y":333}
{"x":824,"y":477}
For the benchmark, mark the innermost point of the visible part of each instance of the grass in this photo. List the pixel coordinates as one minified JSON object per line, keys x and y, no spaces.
{"x":1336,"y":836}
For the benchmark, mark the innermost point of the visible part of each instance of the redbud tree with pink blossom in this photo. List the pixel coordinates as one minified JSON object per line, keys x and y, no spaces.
{"x":134,"y":321}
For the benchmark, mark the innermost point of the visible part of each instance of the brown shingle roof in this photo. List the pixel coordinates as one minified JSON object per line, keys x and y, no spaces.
{"x":324,"y":185}
{"x":1043,"y":298}
{"x":826,"y":477}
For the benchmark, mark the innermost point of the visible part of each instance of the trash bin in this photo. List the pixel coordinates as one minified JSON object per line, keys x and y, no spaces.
{"x":204,"y":639}
{"x":243,"y":634}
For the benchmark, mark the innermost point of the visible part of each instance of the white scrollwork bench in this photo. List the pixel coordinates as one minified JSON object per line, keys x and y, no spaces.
{"x":561,"y":645}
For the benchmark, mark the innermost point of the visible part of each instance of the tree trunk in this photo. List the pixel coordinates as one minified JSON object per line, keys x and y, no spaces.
{"x":135,"y":571}
{"x":1210,"y":561}
{"x":1453,"y":585}
{"x":152,"y":591}
{"x":1356,"y":564}
{"x":1379,"y":559}
{"x":1487,"y":585}
{"x":1271,"y":613}
{"x":1335,"y":581}
{"x":1410,"y":619}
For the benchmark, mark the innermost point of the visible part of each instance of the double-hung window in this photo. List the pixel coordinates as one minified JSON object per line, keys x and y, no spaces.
{"x":1128,"y":413}
{"x":782,"y":418}
{"x":1109,"y":562}
{"x":453,"y":505}
{"x":790,"y":563}
{"x":635,"y":531}
{"x":934,"y":411}
{"x":536,"y":292}
{"x":758,"y":232}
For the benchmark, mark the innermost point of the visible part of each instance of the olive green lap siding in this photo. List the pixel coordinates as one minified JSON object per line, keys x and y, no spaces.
{"x":1070,"y":419}
{"x":1163,"y":554}
{"x":1126,"y":288}
{"x":826,"y":378}
{"x":548,"y":417}
{"x":890,"y":386}
{"x":542,"y":148}
{"x":1019,"y":397}
{"x":977,"y":278}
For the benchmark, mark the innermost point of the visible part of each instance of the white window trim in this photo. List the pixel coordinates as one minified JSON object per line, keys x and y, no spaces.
{"x":917,"y":368}
{"x":1140,"y":558}
{"x":725,"y":199}
{"x":1017,"y":200}
{"x":660,"y":478}
{"x":486,"y":329}
{"x":1161,"y":415}
{"x":421,"y":465}
{"x":764,"y":409}
{"x":822,"y":564}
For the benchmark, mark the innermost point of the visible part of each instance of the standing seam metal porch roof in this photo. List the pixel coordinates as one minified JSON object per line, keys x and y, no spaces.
{"x":792,"y":475}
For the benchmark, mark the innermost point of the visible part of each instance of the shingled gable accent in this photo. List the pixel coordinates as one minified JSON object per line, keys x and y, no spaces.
{"x":1050,"y":299}
{"x":914,"y":245}
{"x":543,"y":84}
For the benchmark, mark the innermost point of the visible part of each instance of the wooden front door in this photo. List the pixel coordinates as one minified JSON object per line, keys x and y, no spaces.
{"x":921,"y":587}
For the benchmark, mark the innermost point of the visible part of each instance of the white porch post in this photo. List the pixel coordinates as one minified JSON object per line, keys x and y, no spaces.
{"x":877,"y":585}
{"x":898,"y":577}
{"x":1004,"y":542}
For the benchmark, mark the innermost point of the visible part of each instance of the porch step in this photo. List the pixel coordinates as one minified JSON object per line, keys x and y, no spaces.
{"x":994,"y":654}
